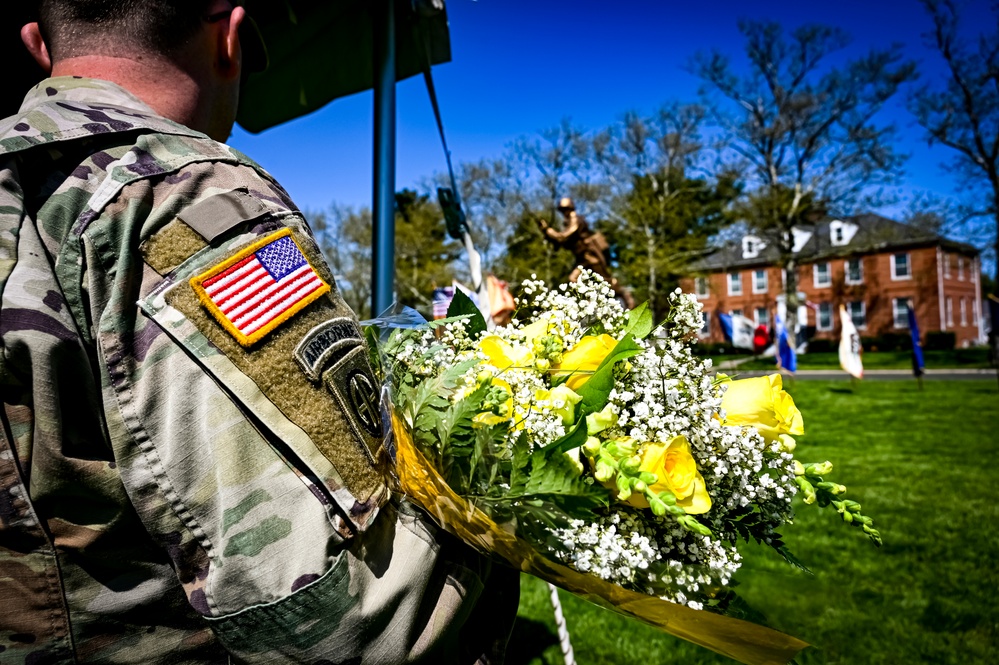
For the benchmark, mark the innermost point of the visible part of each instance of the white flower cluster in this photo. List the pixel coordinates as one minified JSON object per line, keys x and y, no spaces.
{"x":662,"y":392}
{"x":669,"y":392}
{"x":588,"y":304}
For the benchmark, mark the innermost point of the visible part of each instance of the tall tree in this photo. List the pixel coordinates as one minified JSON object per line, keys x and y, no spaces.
{"x":424,"y":253}
{"x":344,"y":236}
{"x":664,"y":206}
{"x":806,"y":129}
{"x":425,"y":256}
{"x":666,"y":222}
{"x":963,"y":113}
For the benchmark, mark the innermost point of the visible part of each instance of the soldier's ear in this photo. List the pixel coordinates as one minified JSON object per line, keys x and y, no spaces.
{"x":31,"y":35}
{"x":230,"y":49}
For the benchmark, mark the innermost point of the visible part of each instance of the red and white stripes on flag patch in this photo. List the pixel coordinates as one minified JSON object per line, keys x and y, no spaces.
{"x":260,"y":287}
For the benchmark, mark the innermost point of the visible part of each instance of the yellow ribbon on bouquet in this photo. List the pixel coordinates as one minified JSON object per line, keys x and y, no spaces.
{"x":741,"y":640}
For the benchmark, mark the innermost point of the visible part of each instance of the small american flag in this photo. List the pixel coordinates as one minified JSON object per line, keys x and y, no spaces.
{"x":442,"y":300}
{"x":259,"y":288}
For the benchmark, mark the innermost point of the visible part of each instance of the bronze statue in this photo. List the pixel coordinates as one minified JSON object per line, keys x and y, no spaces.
{"x":588,"y":246}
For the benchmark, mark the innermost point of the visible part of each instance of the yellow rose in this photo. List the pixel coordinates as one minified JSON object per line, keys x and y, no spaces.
{"x":502,"y":354}
{"x":762,"y":403}
{"x":583,"y":359}
{"x":676,"y":471}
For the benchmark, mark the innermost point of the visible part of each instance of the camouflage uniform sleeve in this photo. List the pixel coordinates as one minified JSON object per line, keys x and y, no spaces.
{"x":244,"y":421}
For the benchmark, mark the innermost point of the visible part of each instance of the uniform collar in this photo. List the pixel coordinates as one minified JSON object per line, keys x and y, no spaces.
{"x":70,"y":107}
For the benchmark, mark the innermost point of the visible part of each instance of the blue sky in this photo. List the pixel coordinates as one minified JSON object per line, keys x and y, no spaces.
{"x":520,"y":66}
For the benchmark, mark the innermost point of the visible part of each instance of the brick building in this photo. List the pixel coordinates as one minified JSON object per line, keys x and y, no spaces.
{"x":871,"y":264}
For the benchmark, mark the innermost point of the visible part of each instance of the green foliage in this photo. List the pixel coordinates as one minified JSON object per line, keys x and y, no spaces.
{"x":423,"y":251}
{"x":940,"y":340}
{"x":662,"y":225}
{"x":528,"y":253}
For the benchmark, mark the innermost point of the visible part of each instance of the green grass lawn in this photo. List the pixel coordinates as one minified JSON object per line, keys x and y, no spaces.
{"x":977,"y":358}
{"x":923,"y":465}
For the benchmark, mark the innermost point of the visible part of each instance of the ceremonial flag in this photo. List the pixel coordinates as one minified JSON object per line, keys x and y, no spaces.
{"x":785,"y":352}
{"x":738,"y":330}
{"x":849,"y":346}
{"x":918,"y":368}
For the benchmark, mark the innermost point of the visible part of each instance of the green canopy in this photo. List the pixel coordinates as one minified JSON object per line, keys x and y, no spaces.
{"x":320,"y":51}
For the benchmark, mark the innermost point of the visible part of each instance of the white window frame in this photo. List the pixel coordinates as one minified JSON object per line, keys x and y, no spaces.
{"x":698,"y":281}
{"x":946,"y":265}
{"x":894,"y":266}
{"x":895,"y":317}
{"x":738,"y":280}
{"x":964,"y":311}
{"x":960,"y":268}
{"x":766,"y":280}
{"x":766,"y":317}
{"x":949,"y":306}
{"x":829,"y":314}
{"x":863,"y":314}
{"x":846,"y":271}
{"x":815,"y":275}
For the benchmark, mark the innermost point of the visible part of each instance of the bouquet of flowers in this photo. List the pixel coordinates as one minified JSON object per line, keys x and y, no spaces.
{"x":587,"y":445}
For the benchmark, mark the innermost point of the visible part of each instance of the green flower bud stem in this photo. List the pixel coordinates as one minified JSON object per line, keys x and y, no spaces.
{"x":820,"y":469}
{"x":648,"y":478}
{"x":658,"y":507}
{"x":835,"y":489}
{"x":623,"y":488}
{"x":604,"y":471}
{"x":640,"y":487}
{"x":691,"y":524}
{"x":807,"y":491}
{"x":631,"y":464}
{"x":799,"y":469}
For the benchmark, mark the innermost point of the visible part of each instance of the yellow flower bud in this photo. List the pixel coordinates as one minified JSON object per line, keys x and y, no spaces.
{"x":598,"y":422}
{"x":761,"y":403}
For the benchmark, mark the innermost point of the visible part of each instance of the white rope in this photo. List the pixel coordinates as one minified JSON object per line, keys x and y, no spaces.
{"x":563,"y":632}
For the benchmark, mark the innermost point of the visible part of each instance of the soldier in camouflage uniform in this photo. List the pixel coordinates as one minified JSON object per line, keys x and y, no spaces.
{"x":192,"y":461}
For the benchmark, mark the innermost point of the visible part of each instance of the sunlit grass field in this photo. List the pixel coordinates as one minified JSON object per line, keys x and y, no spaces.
{"x":925,"y":466}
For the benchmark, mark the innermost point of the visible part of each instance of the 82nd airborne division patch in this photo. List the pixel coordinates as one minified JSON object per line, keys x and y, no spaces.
{"x":262,"y":286}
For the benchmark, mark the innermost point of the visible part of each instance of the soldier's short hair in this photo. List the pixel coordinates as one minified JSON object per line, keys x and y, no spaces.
{"x":72,"y":28}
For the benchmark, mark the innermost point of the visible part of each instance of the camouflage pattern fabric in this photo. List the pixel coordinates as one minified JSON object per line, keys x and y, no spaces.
{"x":168,"y":494}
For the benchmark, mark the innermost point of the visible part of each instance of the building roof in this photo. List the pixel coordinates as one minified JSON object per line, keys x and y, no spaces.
{"x":873,"y":233}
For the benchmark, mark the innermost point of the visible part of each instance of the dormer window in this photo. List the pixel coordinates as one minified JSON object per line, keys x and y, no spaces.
{"x":751,"y":247}
{"x":841,"y":233}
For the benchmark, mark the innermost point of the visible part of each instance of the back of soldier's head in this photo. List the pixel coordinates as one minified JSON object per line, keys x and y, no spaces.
{"x":119,"y":28}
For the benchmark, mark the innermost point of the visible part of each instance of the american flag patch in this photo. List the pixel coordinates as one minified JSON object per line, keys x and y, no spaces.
{"x":258,"y":289}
